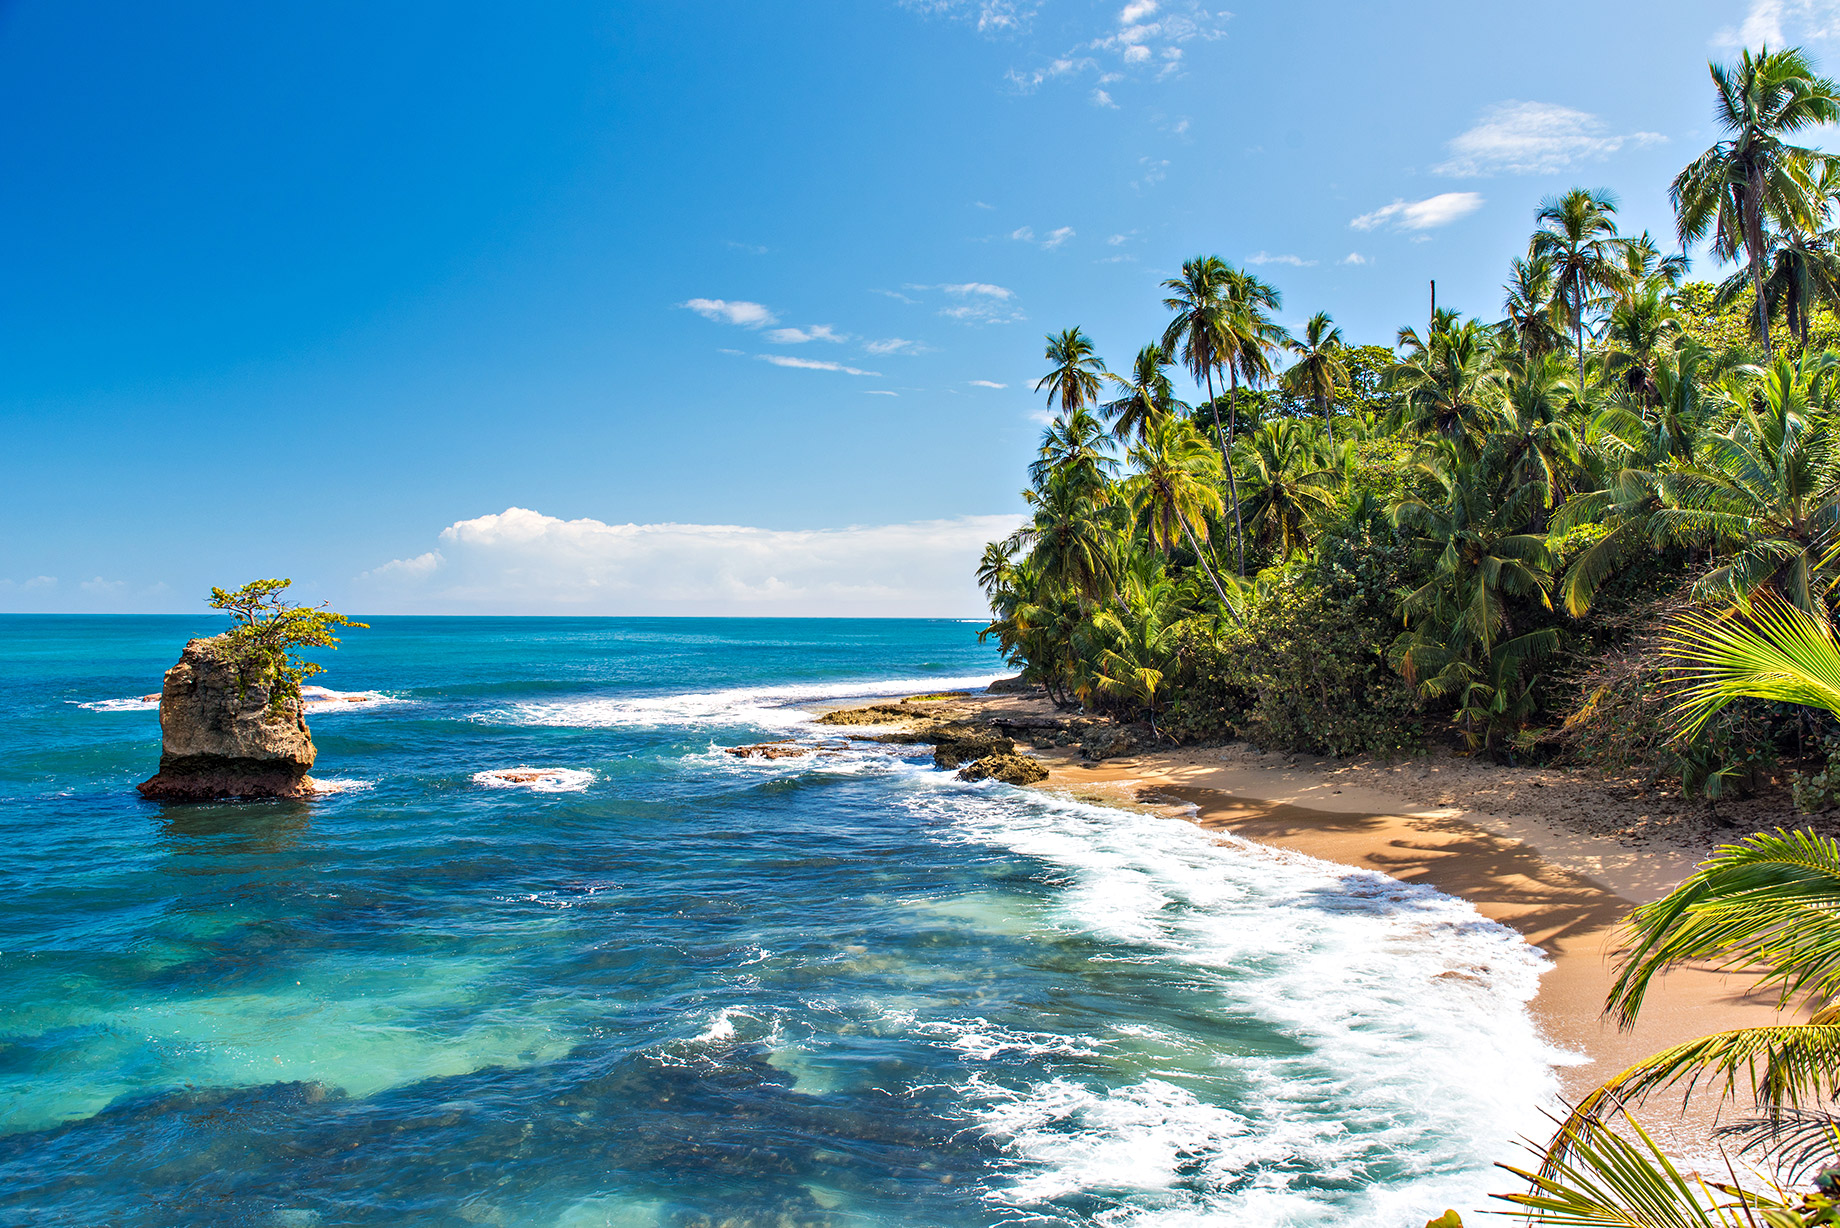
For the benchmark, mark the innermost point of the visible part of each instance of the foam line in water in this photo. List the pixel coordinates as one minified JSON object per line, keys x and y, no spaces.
{"x":315,"y":701}
{"x":537,"y":780}
{"x":766,"y":707}
{"x":1385,"y":1000}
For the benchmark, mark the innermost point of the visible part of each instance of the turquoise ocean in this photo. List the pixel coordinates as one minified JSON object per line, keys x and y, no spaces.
{"x":671,"y":987}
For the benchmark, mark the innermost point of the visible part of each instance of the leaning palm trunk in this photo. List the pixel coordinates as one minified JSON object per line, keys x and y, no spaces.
{"x":1212,"y":578}
{"x":1226,"y":458}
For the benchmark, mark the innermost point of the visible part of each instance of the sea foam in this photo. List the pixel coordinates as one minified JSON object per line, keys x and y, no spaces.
{"x":763,"y":707}
{"x":1409,"y":1064}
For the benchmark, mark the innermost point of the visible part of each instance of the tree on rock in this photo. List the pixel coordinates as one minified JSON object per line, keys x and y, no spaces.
{"x":269,"y":631}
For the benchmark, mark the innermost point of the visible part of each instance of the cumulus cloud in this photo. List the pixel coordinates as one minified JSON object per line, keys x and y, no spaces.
{"x":811,"y":364}
{"x":724,"y":311}
{"x":1268,"y":258}
{"x":799,"y":336}
{"x":523,"y":562}
{"x":986,"y":383}
{"x":1434,"y":211}
{"x":1522,"y":138}
{"x":1101,"y":98}
{"x":1354,"y":258}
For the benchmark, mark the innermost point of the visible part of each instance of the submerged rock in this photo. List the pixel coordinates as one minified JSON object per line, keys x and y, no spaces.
{"x":770,"y":750}
{"x":1011,"y":769}
{"x":956,"y":744}
{"x":221,"y":738}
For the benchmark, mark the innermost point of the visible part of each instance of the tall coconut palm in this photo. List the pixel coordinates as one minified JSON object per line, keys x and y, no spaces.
{"x":1534,"y":447}
{"x":1250,"y":336}
{"x":1194,"y":333}
{"x":1073,"y":379}
{"x":1642,"y":327}
{"x":1577,"y":233}
{"x":1755,"y":175}
{"x":1319,"y":372}
{"x":1145,"y":398}
{"x":1801,"y":272}
{"x":1532,"y":304}
{"x":1173,"y":488}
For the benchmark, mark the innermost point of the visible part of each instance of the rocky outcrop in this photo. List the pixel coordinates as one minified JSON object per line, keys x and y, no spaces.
{"x":955,"y":744}
{"x":220,"y":737}
{"x":874,"y":714}
{"x":1011,"y":686}
{"x":1106,"y":742}
{"x":1011,"y":769}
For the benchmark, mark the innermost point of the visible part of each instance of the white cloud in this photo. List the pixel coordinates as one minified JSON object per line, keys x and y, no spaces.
{"x":986,"y":383}
{"x":1522,"y":138}
{"x":523,"y":562}
{"x":1136,"y":11}
{"x":1050,"y":241}
{"x":1101,"y":98}
{"x":981,"y":205}
{"x":799,"y":336}
{"x":880,"y":392}
{"x":1779,"y":23}
{"x":811,"y":364}
{"x":897,"y":296}
{"x":893,"y":345}
{"x":1155,"y":171}
{"x":723,"y":311}
{"x":1440,"y":210}
{"x":1354,"y":258}
{"x":1119,"y":240}
{"x":982,"y":289}
{"x":1268,"y":258}
{"x":990,"y":16}
{"x":752,"y":249}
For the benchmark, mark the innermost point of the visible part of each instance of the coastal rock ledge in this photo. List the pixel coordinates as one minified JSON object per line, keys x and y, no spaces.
{"x":219,"y":736}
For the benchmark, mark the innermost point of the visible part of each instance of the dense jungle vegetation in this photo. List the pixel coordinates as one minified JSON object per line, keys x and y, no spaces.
{"x":1482,"y":532}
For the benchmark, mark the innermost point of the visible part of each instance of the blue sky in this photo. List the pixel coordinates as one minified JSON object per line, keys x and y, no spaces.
{"x":714,"y":308}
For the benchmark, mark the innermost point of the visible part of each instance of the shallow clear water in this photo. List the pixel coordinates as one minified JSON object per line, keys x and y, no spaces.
{"x":687,"y":989}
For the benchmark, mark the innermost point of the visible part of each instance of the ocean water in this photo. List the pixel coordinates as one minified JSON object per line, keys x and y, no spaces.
{"x":664,"y":986}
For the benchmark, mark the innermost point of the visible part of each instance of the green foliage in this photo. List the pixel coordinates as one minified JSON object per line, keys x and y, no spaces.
{"x":268,"y":631}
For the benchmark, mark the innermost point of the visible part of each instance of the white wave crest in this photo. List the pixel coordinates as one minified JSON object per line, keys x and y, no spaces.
{"x":315,"y":701}
{"x":764,"y":707}
{"x":342,"y":786}
{"x":537,"y":780}
{"x":1402,"y":1040}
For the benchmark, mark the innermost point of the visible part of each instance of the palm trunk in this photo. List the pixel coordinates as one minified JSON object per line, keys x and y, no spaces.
{"x":1322,"y":403}
{"x":1209,"y":571}
{"x":1753,"y":243}
{"x":1239,"y":528}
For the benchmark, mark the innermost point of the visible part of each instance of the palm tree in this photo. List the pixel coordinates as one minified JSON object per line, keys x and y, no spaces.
{"x":1135,"y":649}
{"x":1195,"y":332}
{"x":1290,"y":482}
{"x":1460,"y":641}
{"x":1145,"y":398}
{"x":1174,"y":488}
{"x":1755,"y":175}
{"x":1074,"y":447}
{"x":1073,"y":379}
{"x":1801,"y":272}
{"x":1319,"y":372}
{"x":1643,"y":325}
{"x":1068,"y":538}
{"x":1767,"y":490}
{"x":1532,"y":304}
{"x":1633,"y":449}
{"x":1577,"y":234}
{"x":1534,"y":448}
{"x":1249,"y":335}
{"x":1448,"y":383}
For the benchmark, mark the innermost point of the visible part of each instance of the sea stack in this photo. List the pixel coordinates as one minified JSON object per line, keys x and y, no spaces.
{"x":220,"y":735}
